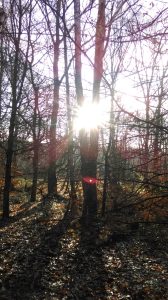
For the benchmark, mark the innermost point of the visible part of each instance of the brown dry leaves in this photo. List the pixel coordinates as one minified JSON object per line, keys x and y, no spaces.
{"x":45,"y":258}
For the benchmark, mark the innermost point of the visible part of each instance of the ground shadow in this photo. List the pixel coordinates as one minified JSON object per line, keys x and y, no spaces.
{"x":59,"y":260}
{"x":32,"y":255}
{"x":87,"y":272}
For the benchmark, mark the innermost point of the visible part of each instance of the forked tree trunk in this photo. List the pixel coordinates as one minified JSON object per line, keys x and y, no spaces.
{"x":89,"y":144}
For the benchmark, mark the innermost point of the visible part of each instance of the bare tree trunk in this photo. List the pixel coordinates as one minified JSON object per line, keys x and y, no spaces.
{"x":146,"y":143}
{"x":16,"y":93}
{"x":1,"y":71}
{"x":8,"y":167}
{"x":35,"y":147}
{"x":94,"y":133}
{"x":52,"y":179}
{"x":89,"y":143}
{"x":71,"y":177}
{"x":89,"y":152}
{"x":9,"y":151}
{"x":79,"y":87}
{"x":78,"y":63}
{"x":105,"y":183}
{"x":1,"y":59}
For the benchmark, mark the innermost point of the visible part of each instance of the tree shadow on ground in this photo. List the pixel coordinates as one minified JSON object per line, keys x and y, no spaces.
{"x":26,"y":209}
{"x":32,"y":254}
{"x":30,"y":209}
{"x":87,"y":272}
{"x":55,"y":260}
{"x":54,"y":263}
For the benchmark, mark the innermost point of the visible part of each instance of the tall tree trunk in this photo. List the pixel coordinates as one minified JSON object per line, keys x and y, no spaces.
{"x":146,"y":142}
{"x":36,"y":130}
{"x":1,"y":60}
{"x":105,"y":184}
{"x":17,"y":82}
{"x":11,"y":137}
{"x":99,"y":50}
{"x":78,"y":63}
{"x":91,"y":165}
{"x":71,"y":176}
{"x":1,"y":72}
{"x":89,"y":152}
{"x":156,"y":137}
{"x":52,"y":179}
{"x":89,"y":143}
{"x":78,"y":81}
{"x":8,"y":167}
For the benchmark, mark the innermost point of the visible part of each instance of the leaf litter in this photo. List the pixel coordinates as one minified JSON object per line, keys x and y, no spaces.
{"x":46,"y":256}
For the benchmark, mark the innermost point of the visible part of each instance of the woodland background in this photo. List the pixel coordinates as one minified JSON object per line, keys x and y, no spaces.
{"x":113,"y":178}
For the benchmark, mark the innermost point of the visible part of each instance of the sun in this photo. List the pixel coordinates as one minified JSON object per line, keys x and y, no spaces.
{"x":89,"y":116}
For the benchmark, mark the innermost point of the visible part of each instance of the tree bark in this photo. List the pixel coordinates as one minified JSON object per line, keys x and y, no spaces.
{"x":52,"y":179}
{"x":90,"y":165}
{"x":35,"y":147}
{"x":71,"y":176}
{"x":16,"y":94}
{"x":89,"y":142}
{"x":8,"y":167}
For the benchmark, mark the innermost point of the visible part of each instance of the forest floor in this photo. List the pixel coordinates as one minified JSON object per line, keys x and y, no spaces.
{"x":45,"y":256}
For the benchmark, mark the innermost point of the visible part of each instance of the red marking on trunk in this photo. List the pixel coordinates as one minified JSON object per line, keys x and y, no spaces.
{"x":90,"y":180}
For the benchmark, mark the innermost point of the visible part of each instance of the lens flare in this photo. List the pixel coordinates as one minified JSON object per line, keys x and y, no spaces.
{"x":90,"y":180}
